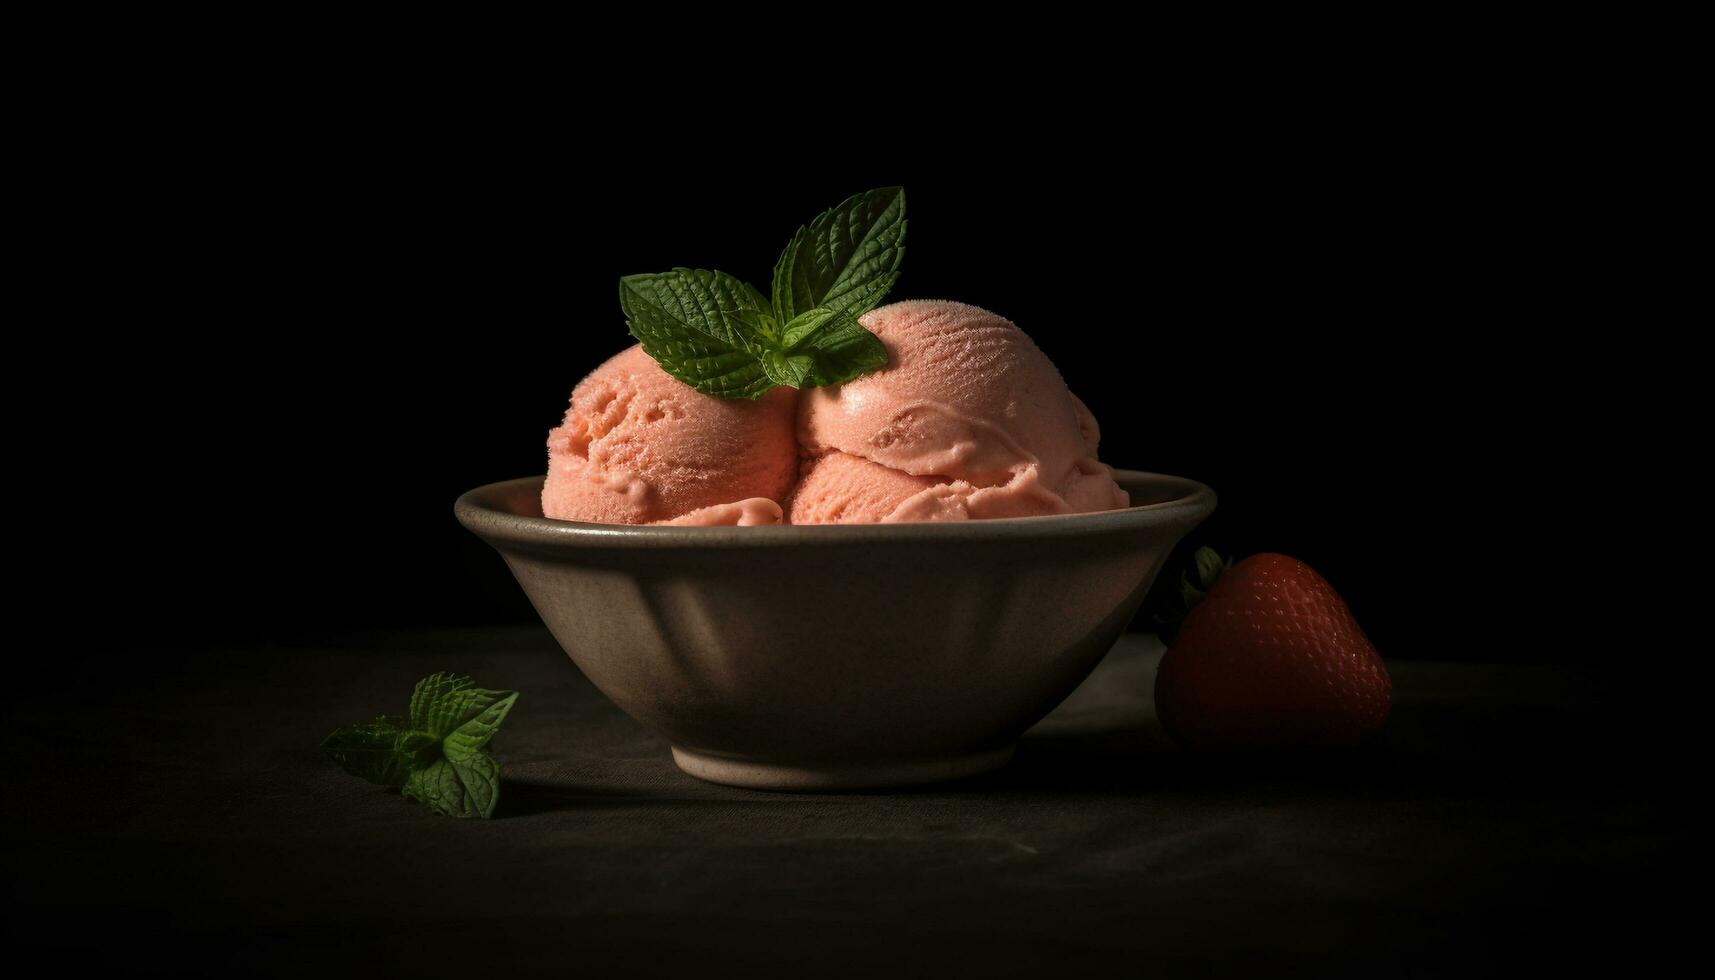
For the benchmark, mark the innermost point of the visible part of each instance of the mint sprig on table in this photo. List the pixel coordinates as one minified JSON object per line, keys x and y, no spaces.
{"x":721,"y":336}
{"x":439,"y":754}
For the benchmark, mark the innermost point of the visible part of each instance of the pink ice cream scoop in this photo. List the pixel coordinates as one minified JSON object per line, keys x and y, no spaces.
{"x":968,"y":420}
{"x":638,"y":446}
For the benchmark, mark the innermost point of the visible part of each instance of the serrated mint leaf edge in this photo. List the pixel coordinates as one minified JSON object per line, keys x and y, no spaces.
{"x":428,"y":692}
{"x":707,"y":303}
{"x":859,"y":262}
{"x":475,"y":733}
{"x":716,"y":352}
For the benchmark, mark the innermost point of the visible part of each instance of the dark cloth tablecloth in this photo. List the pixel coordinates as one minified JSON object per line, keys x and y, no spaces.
{"x":177,"y":817}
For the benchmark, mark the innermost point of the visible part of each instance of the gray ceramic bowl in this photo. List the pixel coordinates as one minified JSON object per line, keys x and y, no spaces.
{"x":839,"y":656}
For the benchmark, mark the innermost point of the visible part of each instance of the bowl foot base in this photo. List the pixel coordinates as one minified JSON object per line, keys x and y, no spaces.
{"x":752,"y":774}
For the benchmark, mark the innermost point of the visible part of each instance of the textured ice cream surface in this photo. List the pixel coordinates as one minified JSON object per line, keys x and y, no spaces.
{"x":968,"y":420}
{"x":638,"y":446}
{"x":839,"y":489}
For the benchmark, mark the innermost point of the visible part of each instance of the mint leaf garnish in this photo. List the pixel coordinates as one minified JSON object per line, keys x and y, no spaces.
{"x":838,"y":347}
{"x":792,"y":370}
{"x":457,"y":787}
{"x":722,"y":337}
{"x":702,"y":327}
{"x":846,"y":258}
{"x":438,"y":755}
{"x":472,"y":735}
{"x":442,"y":703}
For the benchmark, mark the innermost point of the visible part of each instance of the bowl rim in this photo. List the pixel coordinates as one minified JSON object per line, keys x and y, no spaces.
{"x":1187,"y":502}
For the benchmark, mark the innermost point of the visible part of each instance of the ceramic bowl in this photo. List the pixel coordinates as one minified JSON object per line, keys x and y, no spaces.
{"x":839,"y":656}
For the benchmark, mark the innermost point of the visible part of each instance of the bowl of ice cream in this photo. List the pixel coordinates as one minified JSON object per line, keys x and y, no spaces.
{"x":839,"y":656}
{"x":876,"y":583}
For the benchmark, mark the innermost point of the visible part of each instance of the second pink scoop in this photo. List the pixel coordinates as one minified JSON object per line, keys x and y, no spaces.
{"x":968,"y":420}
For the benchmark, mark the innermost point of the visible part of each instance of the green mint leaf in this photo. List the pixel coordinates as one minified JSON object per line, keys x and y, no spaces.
{"x":722,"y":337}
{"x":846,"y":258}
{"x":792,"y":370}
{"x":754,"y":300}
{"x":467,"y":788}
{"x":764,"y":329}
{"x":473,"y":735}
{"x":806,"y":324}
{"x":700,"y":326}
{"x":382,"y":752}
{"x":430,"y":691}
{"x":438,"y":755}
{"x":840,"y":349}
{"x":442,"y":703}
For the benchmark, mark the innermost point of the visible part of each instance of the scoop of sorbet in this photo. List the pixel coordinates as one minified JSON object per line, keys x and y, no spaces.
{"x":638,"y":446}
{"x":968,"y":420}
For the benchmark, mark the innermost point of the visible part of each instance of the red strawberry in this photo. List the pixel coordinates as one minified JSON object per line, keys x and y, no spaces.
{"x":1270,"y":658}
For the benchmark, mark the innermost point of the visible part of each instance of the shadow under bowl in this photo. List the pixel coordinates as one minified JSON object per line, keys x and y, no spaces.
{"x":833,"y":657}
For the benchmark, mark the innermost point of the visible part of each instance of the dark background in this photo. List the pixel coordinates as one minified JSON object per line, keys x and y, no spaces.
{"x":296,"y":305}
{"x":352,"y":315}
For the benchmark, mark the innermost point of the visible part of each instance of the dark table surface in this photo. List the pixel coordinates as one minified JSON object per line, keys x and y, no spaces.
{"x":178,"y":818}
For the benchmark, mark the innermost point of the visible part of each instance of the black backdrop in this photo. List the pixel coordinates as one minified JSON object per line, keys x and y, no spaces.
{"x":295,"y":325}
{"x":352,"y":319}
